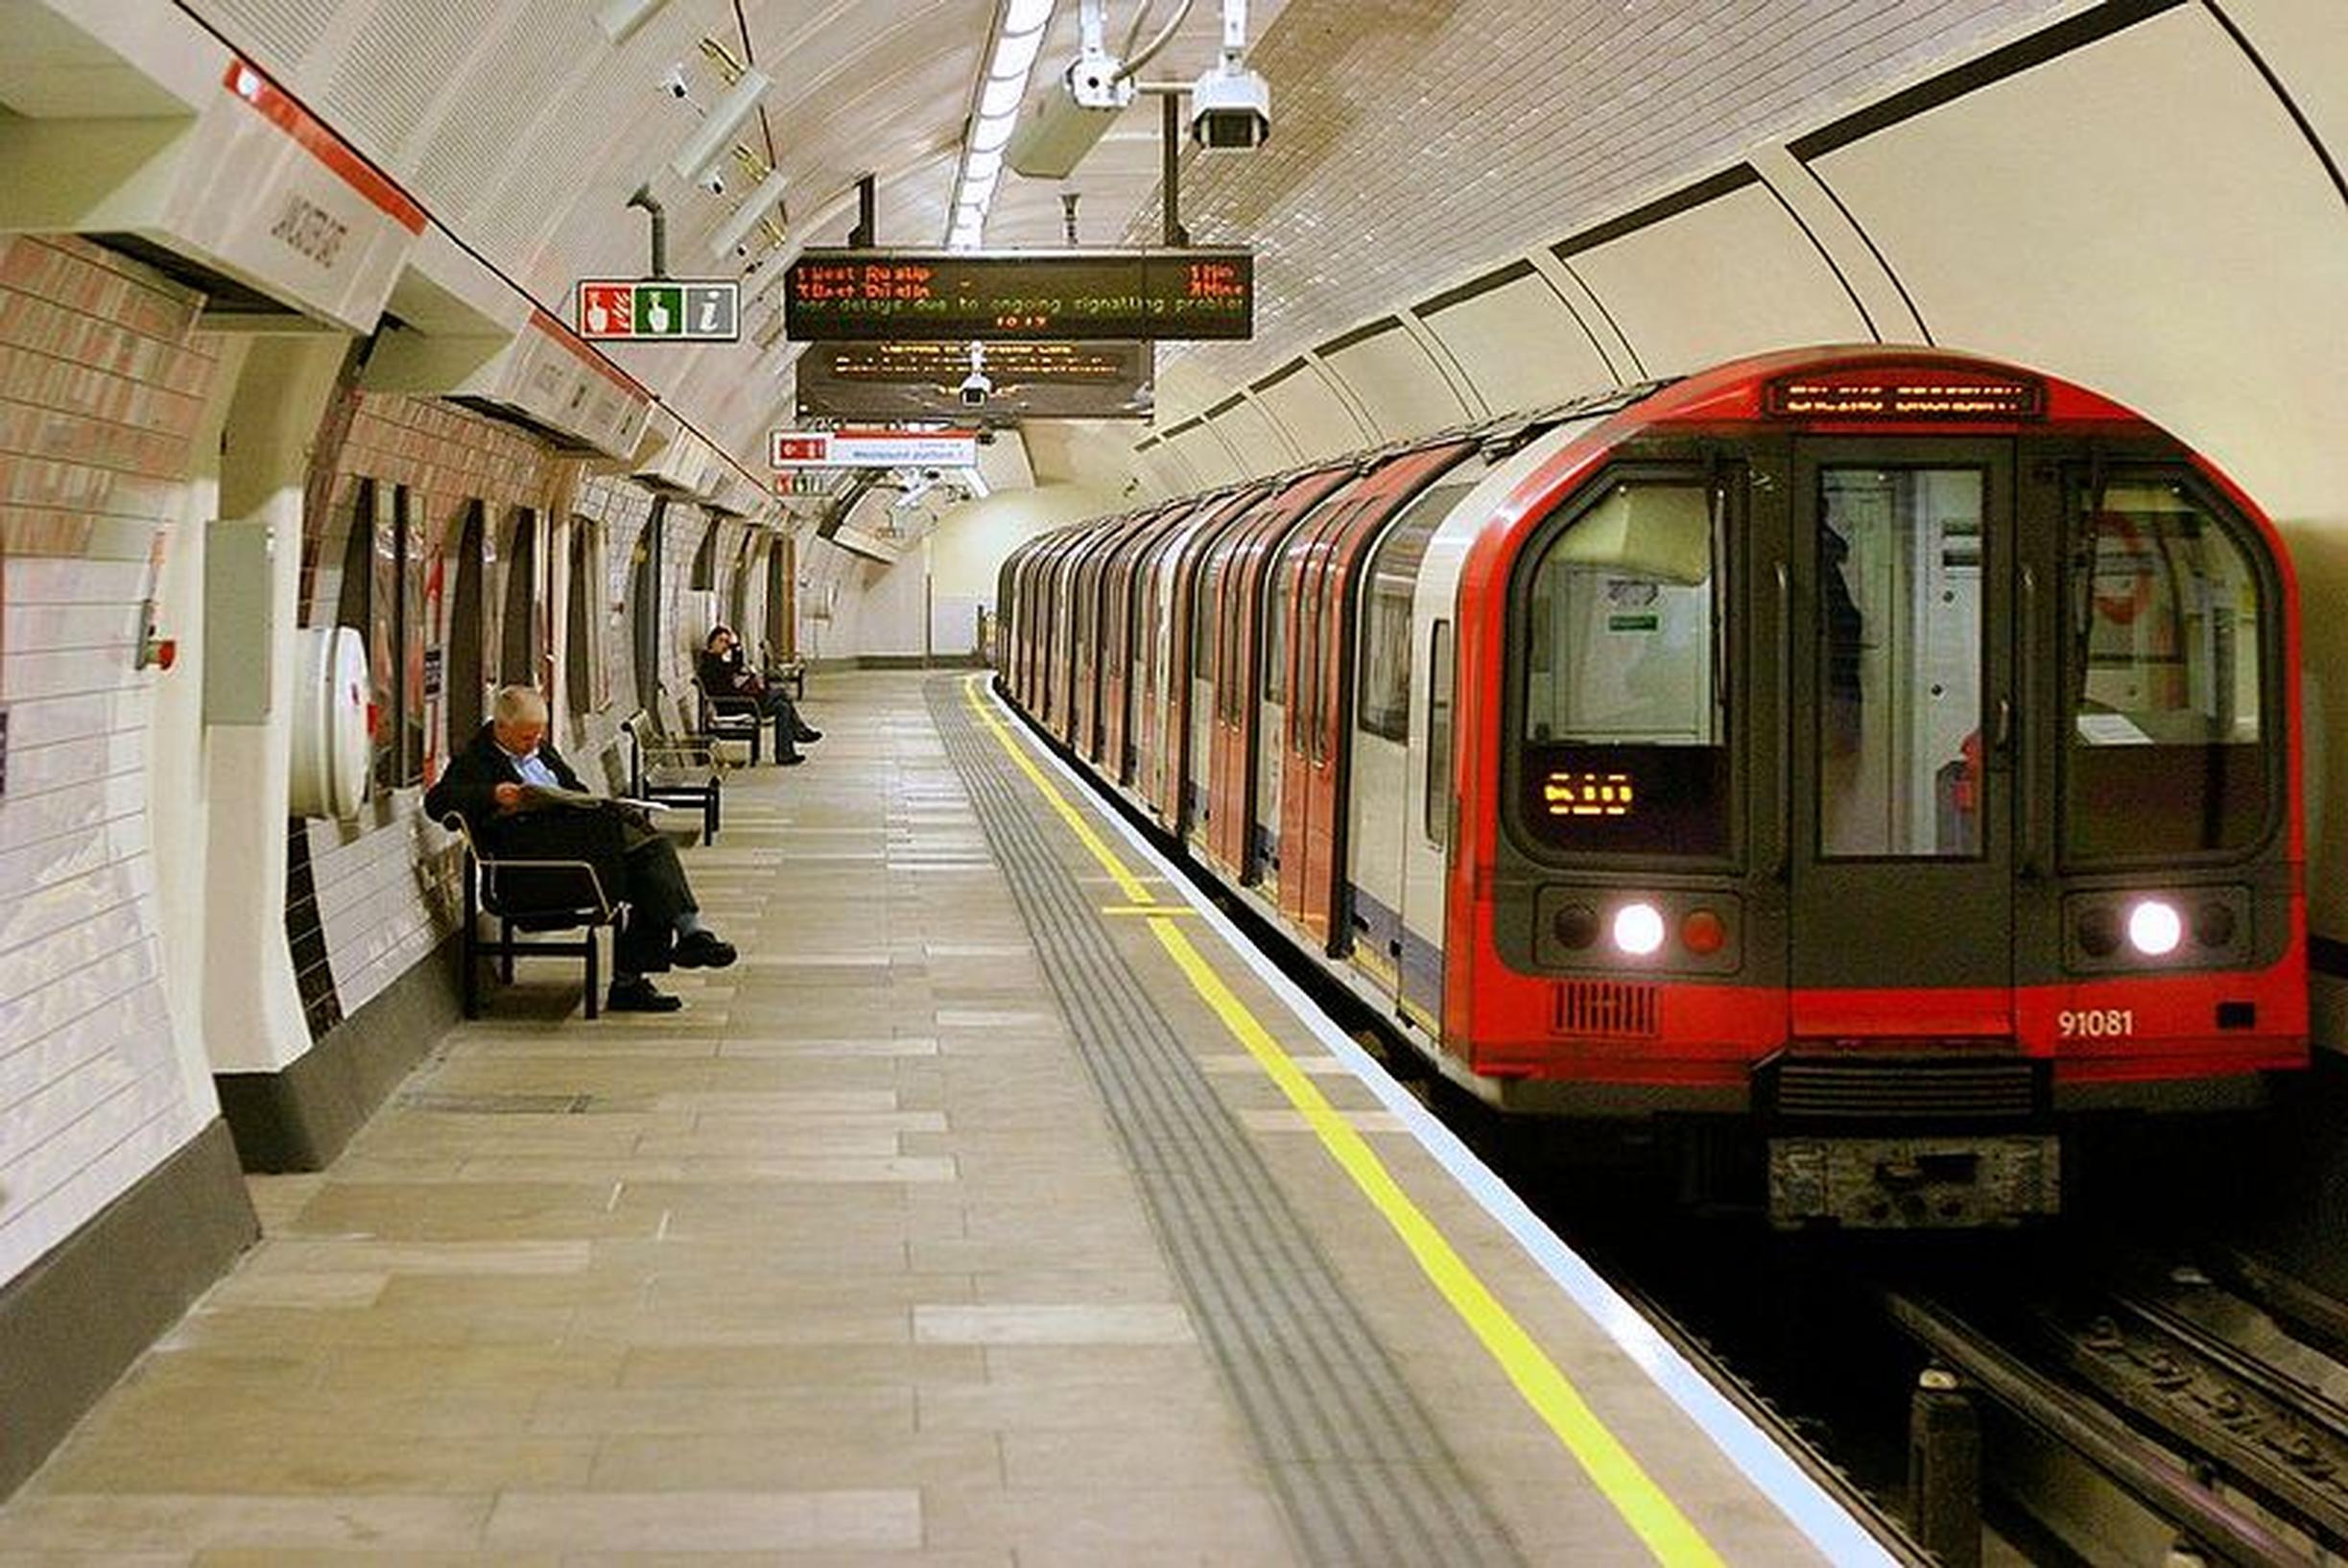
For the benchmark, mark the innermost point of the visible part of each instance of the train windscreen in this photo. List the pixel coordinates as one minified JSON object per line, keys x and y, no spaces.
{"x":2170,"y":749}
{"x":1624,"y":727}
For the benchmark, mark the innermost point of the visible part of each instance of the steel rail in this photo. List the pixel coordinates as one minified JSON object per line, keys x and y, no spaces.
{"x":2156,"y":1481}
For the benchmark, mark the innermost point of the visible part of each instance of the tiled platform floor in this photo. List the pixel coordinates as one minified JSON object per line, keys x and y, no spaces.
{"x":843,"y":1264}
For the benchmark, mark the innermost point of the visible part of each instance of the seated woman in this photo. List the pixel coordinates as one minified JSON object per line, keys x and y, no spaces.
{"x":733,"y":688}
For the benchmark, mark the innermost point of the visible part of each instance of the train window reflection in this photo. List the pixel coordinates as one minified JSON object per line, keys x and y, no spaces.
{"x":1899,"y":661}
{"x":1385,"y":619}
{"x":1619,"y":674}
{"x":2168,"y":749}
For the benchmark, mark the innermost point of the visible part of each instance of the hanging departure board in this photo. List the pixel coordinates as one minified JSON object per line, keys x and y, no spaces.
{"x":1024,"y":296}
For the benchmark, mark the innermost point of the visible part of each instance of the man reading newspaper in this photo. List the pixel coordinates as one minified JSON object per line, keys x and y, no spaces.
{"x":521,"y":799}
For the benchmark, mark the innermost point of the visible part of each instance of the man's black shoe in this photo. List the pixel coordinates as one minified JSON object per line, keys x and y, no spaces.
{"x":703,"y":950}
{"x":791,"y":761}
{"x":639,"y":996}
{"x":809,"y":735}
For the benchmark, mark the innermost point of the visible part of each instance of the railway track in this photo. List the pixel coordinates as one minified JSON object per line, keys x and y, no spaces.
{"x":2212,"y":1407}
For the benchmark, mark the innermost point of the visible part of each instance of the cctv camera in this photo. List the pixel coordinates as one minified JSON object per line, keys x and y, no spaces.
{"x":1230,"y":111}
{"x":673,"y":82}
{"x":714,"y":182}
{"x":975,"y":388}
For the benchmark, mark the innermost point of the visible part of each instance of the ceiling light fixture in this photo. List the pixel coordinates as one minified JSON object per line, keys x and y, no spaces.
{"x":1019,"y":35}
{"x":721,"y":125}
{"x":620,"y":18}
{"x":734,"y":233}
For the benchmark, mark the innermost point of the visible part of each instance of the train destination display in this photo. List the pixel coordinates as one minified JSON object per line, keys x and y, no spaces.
{"x":1069,"y":296}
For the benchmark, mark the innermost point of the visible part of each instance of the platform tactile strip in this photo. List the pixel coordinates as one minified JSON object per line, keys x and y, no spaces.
{"x":1362,"y":1473}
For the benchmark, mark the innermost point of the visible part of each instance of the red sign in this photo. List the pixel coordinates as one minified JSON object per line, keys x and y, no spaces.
{"x":606,"y":310}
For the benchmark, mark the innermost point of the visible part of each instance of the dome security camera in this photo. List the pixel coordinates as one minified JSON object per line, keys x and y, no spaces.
{"x":714,"y":182}
{"x":673,"y":82}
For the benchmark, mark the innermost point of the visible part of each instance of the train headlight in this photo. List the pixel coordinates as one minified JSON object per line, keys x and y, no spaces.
{"x":2154,"y":928}
{"x":1638,"y":929}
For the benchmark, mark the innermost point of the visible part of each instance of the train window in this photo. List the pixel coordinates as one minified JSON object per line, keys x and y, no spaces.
{"x":1624,"y":743}
{"x":1437,"y":823}
{"x":1899,"y":642}
{"x":2169,"y":746}
{"x":1385,"y":619}
{"x":1276,"y":635}
{"x":1202,"y":631}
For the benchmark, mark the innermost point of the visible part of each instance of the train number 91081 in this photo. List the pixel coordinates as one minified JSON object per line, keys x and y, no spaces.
{"x":2095,"y":1023}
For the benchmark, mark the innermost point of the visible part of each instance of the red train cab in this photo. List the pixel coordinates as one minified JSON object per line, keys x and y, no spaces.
{"x":1889,"y":752}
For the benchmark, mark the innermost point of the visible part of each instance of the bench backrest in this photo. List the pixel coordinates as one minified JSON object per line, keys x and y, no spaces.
{"x":539,"y":892}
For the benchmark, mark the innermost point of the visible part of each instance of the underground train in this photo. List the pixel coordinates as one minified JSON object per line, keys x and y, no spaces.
{"x":1886,"y":757}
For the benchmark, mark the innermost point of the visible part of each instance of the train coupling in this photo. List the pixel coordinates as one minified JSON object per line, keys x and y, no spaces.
{"x":1914,"y":1184}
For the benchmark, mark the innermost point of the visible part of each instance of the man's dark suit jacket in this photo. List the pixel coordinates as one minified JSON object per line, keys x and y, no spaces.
{"x":469,"y":786}
{"x":633,"y":860}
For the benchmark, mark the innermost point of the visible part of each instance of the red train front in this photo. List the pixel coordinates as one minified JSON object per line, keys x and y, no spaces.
{"x":1893,"y":751}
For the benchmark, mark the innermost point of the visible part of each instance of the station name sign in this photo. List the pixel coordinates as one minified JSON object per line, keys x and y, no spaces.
{"x":873,"y":448}
{"x":660,"y":310}
{"x":1019,"y":296}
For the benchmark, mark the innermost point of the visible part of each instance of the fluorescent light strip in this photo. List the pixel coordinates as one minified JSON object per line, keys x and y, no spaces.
{"x":1018,"y":38}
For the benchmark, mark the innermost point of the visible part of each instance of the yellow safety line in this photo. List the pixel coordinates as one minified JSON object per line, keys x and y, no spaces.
{"x":1127,"y":881}
{"x":1148,"y":909}
{"x":1642,"y":1504}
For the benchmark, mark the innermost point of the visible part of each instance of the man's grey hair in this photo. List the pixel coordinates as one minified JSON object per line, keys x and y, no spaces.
{"x":518,"y":705}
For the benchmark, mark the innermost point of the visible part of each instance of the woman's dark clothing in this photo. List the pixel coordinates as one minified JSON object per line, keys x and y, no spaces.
{"x":635,"y":863}
{"x":732,"y":689}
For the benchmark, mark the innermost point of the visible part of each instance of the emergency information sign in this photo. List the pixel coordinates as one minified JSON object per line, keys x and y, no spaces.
{"x":660,"y":310}
{"x":873,"y":448}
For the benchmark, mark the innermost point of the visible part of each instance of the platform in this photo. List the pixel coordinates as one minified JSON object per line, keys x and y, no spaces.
{"x":994,"y":1210}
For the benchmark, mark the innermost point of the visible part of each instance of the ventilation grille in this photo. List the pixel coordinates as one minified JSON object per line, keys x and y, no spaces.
{"x":1607,"y":1008}
{"x":1902,"y":1089}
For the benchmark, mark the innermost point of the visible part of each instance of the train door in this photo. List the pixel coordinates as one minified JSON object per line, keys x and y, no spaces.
{"x":1117,"y":646}
{"x":1231,"y":770}
{"x":1900,"y":706}
{"x":1312,"y":816}
{"x":1083,"y":731}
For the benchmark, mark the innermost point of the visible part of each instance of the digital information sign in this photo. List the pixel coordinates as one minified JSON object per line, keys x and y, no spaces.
{"x":884,"y":381}
{"x":1019,"y":296}
{"x":660,"y":310}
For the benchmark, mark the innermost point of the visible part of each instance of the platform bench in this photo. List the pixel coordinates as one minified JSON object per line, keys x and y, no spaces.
{"x":531,"y":897}
{"x":673,"y":771}
{"x":729,"y":723}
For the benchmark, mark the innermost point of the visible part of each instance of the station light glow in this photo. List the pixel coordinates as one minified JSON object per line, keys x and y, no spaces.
{"x":1638,"y":929}
{"x":2154,"y":928}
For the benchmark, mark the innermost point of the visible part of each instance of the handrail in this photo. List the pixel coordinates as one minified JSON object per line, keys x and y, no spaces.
{"x":1785,"y":721}
{"x":2025,"y":774}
